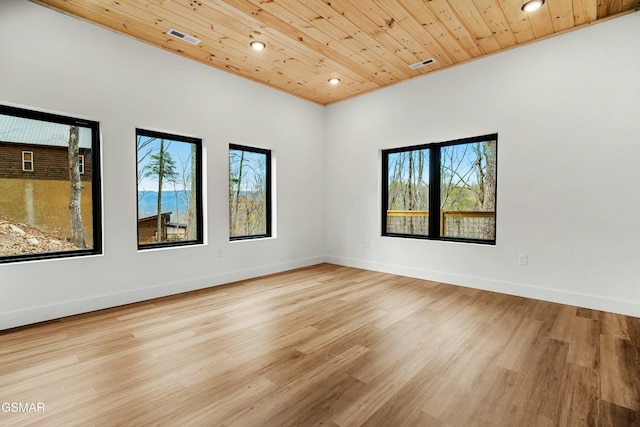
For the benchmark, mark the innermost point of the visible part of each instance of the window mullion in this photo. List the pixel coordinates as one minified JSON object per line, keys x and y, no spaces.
{"x":385,"y":191}
{"x":434,"y":192}
{"x":268,"y":193}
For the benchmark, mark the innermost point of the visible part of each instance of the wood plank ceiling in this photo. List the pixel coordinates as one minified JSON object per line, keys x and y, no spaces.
{"x":367,"y":44}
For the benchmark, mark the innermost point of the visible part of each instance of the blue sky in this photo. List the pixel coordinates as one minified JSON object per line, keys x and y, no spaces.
{"x":179,"y":151}
{"x":460,"y":158}
{"x":34,"y":131}
{"x":253,"y":162}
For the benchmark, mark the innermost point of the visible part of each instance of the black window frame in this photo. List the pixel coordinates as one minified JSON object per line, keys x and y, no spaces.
{"x":434,"y":189}
{"x":96,"y":183}
{"x":268,"y":195}
{"x":199,"y":240}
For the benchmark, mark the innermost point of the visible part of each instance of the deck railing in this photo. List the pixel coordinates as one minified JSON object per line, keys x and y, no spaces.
{"x":463,"y":224}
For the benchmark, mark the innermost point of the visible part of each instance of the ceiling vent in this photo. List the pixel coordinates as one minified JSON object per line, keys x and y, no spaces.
{"x":183,"y":36}
{"x":422,"y":63}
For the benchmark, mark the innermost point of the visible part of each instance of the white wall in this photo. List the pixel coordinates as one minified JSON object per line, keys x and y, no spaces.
{"x":567,"y":114}
{"x":56,"y":63}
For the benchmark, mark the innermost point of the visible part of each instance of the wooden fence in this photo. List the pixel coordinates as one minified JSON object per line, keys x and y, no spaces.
{"x":444,"y":216}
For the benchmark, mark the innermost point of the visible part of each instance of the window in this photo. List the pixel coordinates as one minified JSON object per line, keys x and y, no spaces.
{"x":249,"y":192}
{"x":456,"y":179}
{"x":27,"y":161}
{"x":50,"y":211}
{"x":169,"y":176}
{"x":81,"y":164}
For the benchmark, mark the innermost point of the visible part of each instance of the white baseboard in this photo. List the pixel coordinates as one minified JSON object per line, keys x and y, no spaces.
{"x":595,"y":302}
{"x":68,"y":308}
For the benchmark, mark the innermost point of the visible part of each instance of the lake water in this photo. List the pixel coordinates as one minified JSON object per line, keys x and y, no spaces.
{"x":176,"y":202}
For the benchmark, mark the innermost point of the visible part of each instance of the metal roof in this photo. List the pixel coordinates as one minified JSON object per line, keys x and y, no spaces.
{"x":145,"y":218}
{"x":30,"y":131}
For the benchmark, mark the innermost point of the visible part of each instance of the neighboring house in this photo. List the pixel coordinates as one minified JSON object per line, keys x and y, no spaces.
{"x":176,"y":231}
{"x":33,"y":149}
{"x":148,"y":226}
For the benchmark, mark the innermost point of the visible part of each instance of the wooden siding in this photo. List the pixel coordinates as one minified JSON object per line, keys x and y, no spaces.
{"x":49,"y":162}
{"x":147,"y":227}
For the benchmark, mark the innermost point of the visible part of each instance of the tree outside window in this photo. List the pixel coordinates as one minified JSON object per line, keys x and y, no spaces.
{"x":249,"y":192}
{"x":169,"y":192}
{"x":48,"y":209}
{"x":441,"y":191}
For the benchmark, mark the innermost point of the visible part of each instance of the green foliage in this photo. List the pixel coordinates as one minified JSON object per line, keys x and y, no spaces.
{"x":461,"y":199}
{"x":162,"y":161}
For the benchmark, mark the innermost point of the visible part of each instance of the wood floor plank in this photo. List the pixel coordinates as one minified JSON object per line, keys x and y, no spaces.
{"x":494,"y":402}
{"x":381,"y":389}
{"x":513,"y":415}
{"x":327,"y":345}
{"x":517,"y":352}
{"x":615,"y":416}
{"x":584,"y":312}
{"x":584,"y":343}
{"x":232,"y":403}
{"x":613,"y":325}
{"x":465,"y":381}
{"x":579,"y":403}
{"x":390,"y":348}
{"x":562,"y":328}
{"x":620,"y":372}
{"x":279,"y":404}
{"x":540,"y":386}
{"x":501,"y":330}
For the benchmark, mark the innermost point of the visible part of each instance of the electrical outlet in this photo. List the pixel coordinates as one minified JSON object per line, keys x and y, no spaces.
{"x":220,"y":254}
{"x":523,"y":259}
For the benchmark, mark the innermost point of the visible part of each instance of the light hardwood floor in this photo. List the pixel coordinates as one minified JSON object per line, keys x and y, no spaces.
{"x":328,"y":345}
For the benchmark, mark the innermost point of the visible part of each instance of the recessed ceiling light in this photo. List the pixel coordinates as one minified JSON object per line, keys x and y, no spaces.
{"x":257,"y":45}
{"x":334,"y":80}
{"x":532,"y":5}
